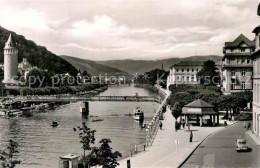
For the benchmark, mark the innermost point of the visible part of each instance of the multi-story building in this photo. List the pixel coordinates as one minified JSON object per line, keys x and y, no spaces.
{"x":256,"y":82}
{"x":237,"y":66}
{"x":184,"y":73}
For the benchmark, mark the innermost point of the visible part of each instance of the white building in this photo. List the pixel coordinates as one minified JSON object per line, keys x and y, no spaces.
{"x":10,"y":62}
{"x":256,"y":82}
{"x":184,"y":73}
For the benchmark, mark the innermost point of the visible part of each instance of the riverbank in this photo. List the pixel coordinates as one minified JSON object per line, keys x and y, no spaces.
{"x":170,"y":148}
{"x":82,"y":89}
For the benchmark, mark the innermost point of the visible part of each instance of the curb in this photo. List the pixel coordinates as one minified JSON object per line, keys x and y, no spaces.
{"x":185,"y":159}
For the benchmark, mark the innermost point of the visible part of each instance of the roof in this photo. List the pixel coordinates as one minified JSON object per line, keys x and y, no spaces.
{"x":256,"y":30}
{"x":188,"y":63}
{"x":199,"y":107}
{"x":241,"y":38}
{"x":69,"y":156}
{"x":10,"y":42}
{"x":199,"y":103}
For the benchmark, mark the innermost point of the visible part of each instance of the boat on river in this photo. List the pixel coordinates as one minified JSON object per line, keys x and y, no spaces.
{"x":11,"y":113}
{"x":97,"y":120}
{"x":54,"y":124}
{"x":138,"y":114}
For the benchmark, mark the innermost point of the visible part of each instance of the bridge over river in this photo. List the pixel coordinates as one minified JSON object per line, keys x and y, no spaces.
{"x":73,"y":98}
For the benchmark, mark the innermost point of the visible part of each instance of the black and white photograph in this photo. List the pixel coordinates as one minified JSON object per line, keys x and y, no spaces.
{"x":129,"y":84}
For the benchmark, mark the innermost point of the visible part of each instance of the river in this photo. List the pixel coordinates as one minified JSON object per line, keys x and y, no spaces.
{"x":40,"y":145}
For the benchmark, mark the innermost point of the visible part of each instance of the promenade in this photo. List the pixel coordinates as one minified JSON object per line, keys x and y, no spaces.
{"x":170,"y":148}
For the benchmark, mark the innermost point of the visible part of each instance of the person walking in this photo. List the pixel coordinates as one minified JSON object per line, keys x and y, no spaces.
{"x":191,"y":136}
{"x":244,"y":124}
{"x":183,"y":123}
{"x":176,"y":126}
{"x":249,"y":126}
{"x":160,"y":125}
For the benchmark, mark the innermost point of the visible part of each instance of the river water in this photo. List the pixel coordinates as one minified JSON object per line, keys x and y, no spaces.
{"x":41,"y":145}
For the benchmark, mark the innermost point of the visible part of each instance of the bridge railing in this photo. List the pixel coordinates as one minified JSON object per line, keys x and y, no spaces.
{"x":86,"y":98}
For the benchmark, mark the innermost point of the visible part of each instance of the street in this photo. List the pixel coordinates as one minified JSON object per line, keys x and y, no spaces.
{"x":219,"y":150}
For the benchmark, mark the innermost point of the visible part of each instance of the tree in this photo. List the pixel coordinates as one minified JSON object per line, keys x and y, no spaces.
{"x":177,"y":110}
{"x":209,"y":75}
{"x":6,"y":156}
{"x":107,"y":158}
{"x":87,"y":137}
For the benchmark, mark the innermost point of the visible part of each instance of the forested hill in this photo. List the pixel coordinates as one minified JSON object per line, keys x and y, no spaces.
{"x":37,"y":55}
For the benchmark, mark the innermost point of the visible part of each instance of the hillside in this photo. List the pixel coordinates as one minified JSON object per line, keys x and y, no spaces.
{"x":37,"y":55}
{"x":94,"y":68}
{"x":141,"y":66}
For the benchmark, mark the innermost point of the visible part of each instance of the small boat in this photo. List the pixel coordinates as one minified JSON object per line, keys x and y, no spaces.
{"x":54,"y":124}
{"x":138,"y":114}
{"x":98,"y":119}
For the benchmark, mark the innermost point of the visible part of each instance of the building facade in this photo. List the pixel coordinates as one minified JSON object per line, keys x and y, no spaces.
{"x":237,"y":65}
{"x":10,"y":62}
{"x":184,"y":73}
{"x":256,"y":82}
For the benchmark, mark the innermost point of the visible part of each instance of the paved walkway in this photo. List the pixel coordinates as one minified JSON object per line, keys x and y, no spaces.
{"x":165,"y":152}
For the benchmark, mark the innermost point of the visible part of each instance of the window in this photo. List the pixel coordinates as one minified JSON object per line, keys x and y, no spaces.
{"x":188,"y":70}
{"x":238,"y":60}
{"x":188,"y":78}
{"x":197,"y":70}
{"x":177,"y":70}
{"x":233,"y":84}
{"x":243,"y":50}
{"x":192,"y":70}
{"x":243,"y":73}
{"x":248,"y":60}
{"x":192,"y":78}
{"x":233,"y":73}
{"x":243,"y":61}
{"x":182,"y":70}
{"x":243,"y":85}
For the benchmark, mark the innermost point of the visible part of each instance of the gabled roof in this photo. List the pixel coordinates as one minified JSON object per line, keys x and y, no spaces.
{"x":241,"y":38}
{"x":199,"y":104}
{"x":188,"y":63}
{"x":256,"y":30}
{"x":10,"y":42}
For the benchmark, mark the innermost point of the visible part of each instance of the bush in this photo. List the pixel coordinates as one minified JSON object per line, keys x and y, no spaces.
{"x":244,"y":117}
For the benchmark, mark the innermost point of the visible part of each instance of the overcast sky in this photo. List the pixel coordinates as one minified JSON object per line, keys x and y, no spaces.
{"x":130,"y":29}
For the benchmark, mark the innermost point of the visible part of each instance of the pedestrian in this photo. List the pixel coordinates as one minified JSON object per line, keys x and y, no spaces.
{"x":244,"y":124}
{"x":191,"y":136}
{"x":160,"y":125}
{"x":183,"y":123}
{"x":249,"y":126}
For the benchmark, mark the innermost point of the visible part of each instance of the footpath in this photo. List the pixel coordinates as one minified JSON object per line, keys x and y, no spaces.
{"x":170,"y":148}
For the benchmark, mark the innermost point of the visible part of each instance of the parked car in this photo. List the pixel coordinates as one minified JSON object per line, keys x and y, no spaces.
{"x":241,"y":145}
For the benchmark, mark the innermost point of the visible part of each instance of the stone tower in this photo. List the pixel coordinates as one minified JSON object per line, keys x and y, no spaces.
{"x":10,"y":61}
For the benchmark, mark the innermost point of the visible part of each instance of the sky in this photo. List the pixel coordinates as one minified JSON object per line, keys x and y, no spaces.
{"x":131,"y":29}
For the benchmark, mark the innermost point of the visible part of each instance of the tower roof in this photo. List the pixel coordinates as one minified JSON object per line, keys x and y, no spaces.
{"x":10,"y":42}
{"x":198,"y":103}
